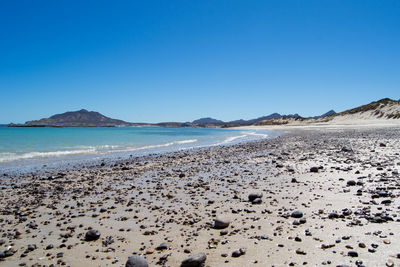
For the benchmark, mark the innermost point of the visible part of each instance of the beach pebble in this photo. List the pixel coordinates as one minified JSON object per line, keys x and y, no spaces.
{"x":255,"y":195}
{"x":351,"y":183}
{"x":162,"y":246}
{"x":236,"y":254}
{"x":136,"y":261}
{"x":333,"y":215}
{"x":221,"y":222}
{"x":352,"y":253}
{"x":346,"y":149}
{"x":297,"y":214}
{"x":92,"y":235}
{"x":196,"y":260}
{"x":257,"y":201}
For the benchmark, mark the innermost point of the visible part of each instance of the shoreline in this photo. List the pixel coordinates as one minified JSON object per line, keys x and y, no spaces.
{"x":173,"y":198}
{"x":68,"y":161}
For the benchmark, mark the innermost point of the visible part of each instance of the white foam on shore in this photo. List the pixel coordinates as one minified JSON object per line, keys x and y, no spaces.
{"x":9,"y":157}
{"x":247,"y":134}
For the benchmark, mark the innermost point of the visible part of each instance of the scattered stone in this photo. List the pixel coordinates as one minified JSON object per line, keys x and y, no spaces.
{"x":162,"y":246}
{"x":255,"y":195}
{"x":196,"y":260}
{"x":92,"y":235}
{"x":221,"y":222}
{"x":136,"y":261}
{"x":352,"y":253}
{"x":351,"y":183}
{"x":297,"y":214}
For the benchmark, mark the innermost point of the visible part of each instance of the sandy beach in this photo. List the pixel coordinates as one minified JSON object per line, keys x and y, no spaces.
{"x":313,"y":196}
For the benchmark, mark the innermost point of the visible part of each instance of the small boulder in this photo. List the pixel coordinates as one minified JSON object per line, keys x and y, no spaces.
{"x":136,"y":261}
{"x":352,"y":253}
{"x":297,"y":214}
{"x":162,"y":246}
{"x":257,"y":201}
{"x":196,"y":260}
{"x":255,"y":195}
{"x":351,"y":183}
{"x":221,"y":222}
{"x":92,"y":235}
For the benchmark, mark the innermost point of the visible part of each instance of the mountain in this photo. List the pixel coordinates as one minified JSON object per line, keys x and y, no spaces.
{"x":208,"y":120}
{"x":259,"y":119}
{"x":79,"y":118}
{"x":329,"y":113}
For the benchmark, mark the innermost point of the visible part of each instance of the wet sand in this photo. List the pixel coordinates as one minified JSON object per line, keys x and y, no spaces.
{"x":329,"y":197}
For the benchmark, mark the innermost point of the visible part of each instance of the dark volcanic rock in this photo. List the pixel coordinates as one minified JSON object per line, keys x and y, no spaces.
{"x":352,"y":253}
{"x":333,"y":215}
{"x":257,"y":201}
{"x":136,"y":261}
{"x":297,"y":214}
{"x":162,"y":246}
{"x":351,"y":183}
{"x":255,"y":195}
{"x":196,"y":260}
{"x":92,"y":235}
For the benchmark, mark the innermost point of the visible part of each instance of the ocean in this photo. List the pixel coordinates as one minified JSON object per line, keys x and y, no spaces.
{"x":30,"y":146}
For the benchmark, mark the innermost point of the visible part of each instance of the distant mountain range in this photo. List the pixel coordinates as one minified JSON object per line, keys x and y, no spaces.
{"x":383,"y":109}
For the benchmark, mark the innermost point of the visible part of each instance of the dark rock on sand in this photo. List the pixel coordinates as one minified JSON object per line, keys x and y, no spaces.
{"x":236,"y":254}
{"x":351,"y":183}
{"x":257,"y":201}
{"x":352,"y":253}
{"x":136,"y":261}
{"x":92,"y":235}
{"x":196,"y":260}
{"x":253,"y":196}
{"x":333,"y":215}
{"x":221,"y":222}
{"x":297,"y":214}
{"x":162,"y":246}
{"x":346,"y":149}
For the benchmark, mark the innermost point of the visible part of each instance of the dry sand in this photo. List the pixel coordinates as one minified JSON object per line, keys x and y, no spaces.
{"x":349,"y":203}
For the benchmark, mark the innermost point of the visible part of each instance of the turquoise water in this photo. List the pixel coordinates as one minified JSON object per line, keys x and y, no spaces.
{"x":21,"y":145}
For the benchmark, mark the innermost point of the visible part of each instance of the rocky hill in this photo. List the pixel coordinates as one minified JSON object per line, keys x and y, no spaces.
{"x":383,"y":111}
{"x":79,"y":118}
{"x":208,"y":120}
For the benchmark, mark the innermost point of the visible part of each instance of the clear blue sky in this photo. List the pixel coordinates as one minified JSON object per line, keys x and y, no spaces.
{"x":168,"y":60}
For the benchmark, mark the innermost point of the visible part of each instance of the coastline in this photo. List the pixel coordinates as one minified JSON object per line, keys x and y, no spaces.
{"x":53,"y":161}
{"x":173,"y":198}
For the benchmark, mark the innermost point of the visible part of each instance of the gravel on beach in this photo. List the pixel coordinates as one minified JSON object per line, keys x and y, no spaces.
{"x":310,"y":197}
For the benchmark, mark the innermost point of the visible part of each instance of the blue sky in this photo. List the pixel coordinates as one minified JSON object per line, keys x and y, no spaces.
{"x":152,"y":61}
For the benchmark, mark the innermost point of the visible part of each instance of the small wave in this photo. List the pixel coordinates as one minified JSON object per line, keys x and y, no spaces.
{"x":247,"y":134}
{"x":157,"y":146}
{"x":232,"y":138}
{"x":7,"y":157}
{"x":258,"y":134}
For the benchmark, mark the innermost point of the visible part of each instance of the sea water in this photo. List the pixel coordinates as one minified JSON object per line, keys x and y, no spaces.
{"x":43,"y":145}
